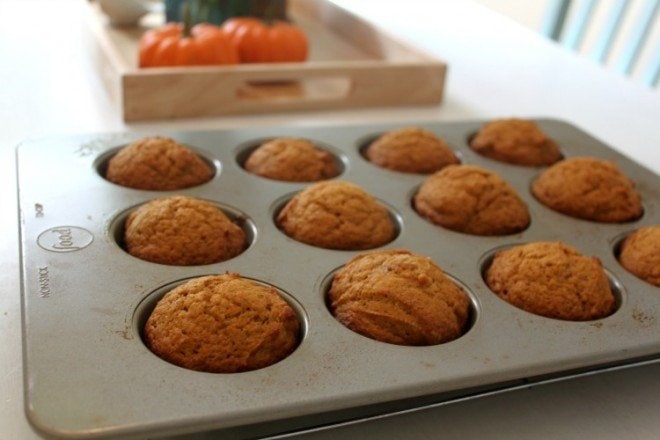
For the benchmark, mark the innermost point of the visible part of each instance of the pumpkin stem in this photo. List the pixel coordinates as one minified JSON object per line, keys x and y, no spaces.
{"x":187,"y":20}
{"x":270,"y":13}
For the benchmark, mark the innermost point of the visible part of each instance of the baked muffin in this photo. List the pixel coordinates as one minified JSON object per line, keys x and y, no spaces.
{"x":337,"y":215}
{"x":222,"y":324}
{"x":640,"y":254}
{"x":515,"y":141}
{"x":159,"y":164}
{"x":590,"y":189}
{"x":411,"y":150}
{"x":182,"y":231}
{"x":473,"y":200}
{"x":552,"y":280}
{"x":398,"y":297}
{"x":291,"y":160}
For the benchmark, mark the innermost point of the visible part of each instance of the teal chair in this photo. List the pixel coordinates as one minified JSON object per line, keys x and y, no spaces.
{"x":570,"y":32}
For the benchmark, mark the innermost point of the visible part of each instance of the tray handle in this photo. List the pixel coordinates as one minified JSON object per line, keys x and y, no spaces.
{"x":190,"y":92}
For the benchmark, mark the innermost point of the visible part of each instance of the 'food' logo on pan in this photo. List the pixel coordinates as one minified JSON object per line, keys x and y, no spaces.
{"x":65,"y":239}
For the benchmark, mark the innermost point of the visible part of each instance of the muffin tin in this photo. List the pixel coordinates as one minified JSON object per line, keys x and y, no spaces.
{"x":88,"y":373}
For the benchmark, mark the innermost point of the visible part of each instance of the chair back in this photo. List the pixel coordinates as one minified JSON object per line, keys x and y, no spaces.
{"x":622,"y":34}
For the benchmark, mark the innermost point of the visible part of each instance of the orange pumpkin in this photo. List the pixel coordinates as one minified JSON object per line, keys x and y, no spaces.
{"x":261,"y":42}
{"x":172,"y":45}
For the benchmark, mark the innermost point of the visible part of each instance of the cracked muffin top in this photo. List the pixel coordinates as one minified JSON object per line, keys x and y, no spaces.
{"x":337,"y":215}
{"x":158,"y":164}
{"x":590,"y":189}
{"x":411,"y":150}
{"x":182,"y":231}
{"x":640,"y":254}
{"x":552,"y":279}
{"x":291,"y":160}
{"x":473,"y":200}
{"x":398,"y":297}
{"x":515,"y":141}
{"x":222,"y":324}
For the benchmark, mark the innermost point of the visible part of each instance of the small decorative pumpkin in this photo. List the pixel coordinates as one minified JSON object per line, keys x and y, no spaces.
{"x":266,"y":42}
{"x":176,"y":44}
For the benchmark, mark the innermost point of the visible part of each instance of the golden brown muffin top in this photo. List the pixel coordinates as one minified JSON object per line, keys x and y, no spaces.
{"x":337,"y":215}
{"x":411,"y":150}
{"x":398,"y":297}
{"x":640,"y":254}
{"x":157,"y":163}
{"x":553,"y":280}
{"x":222,"y":324}
{"x":590,"y":189}
{"x":182,"y":231}
{"x":515,"y":141}
{"x":471,"y":199}
{"x":291,"y":160}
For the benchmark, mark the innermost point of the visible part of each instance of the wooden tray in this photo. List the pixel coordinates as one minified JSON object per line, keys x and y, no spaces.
{"x":352,"y":64}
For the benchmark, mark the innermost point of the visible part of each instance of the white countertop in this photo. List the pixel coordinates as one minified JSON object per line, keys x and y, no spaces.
{"x":49,"y":87}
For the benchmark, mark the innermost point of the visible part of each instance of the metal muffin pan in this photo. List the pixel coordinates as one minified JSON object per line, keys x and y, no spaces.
{"x":88,"y":373}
